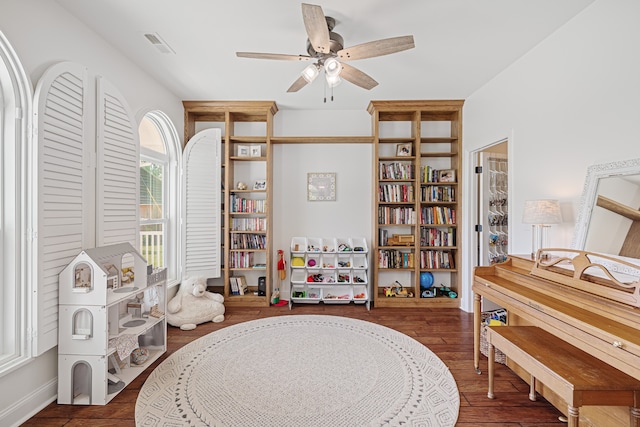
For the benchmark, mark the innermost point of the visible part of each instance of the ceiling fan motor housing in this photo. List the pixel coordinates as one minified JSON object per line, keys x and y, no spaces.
{"x":336,"y":42}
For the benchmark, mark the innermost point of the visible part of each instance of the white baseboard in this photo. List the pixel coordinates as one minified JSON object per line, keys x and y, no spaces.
{"x":29,"y":406}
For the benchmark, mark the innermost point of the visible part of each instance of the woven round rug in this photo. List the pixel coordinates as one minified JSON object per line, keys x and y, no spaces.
{"x":300,"y":370}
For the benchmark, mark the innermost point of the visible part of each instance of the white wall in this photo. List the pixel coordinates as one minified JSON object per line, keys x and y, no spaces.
{"x":567,"y":104}
{"x":350,"y":214}
{"x":43,"y":34}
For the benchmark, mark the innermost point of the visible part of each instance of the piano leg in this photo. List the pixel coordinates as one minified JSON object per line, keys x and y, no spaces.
{"x":477,"y":320}
{"x":635,"y":417}
{"x":492,"y":352}
{"x":573,"y":415}
{"x":532,"y":389}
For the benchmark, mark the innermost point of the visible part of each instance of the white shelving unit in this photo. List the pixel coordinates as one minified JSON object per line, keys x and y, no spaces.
{"x":329,"y":270}
{"x":112,"y":323}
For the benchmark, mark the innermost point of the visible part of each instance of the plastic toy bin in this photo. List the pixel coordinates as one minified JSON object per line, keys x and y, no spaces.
{"x":329,"y":245}
{"x":359,"y":277}
{"x":312,"y":260}
{"x":298,"y":276}
{"x":344,"y":277}
{"x":360,"y":294}
{"x":314,"y":244}
{"x":329,"y":261}
{"x":337,"y":295}
{"x":298,"y":260}
{"x":359,"y":244}
{"x":359,"y":261}
{"x":306,"y":294}
{"x":298,"y":244}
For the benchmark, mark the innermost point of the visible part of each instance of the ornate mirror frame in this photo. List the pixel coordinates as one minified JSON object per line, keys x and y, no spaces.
{"x":590,"y":193}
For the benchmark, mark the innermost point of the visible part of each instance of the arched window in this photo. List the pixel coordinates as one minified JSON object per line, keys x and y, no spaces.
{"x":160,"y":193}
{"x":16,"y":197}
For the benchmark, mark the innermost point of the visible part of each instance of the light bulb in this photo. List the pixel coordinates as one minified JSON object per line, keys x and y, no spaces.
{"x":332,"y":67}
{"x":310,"y":73}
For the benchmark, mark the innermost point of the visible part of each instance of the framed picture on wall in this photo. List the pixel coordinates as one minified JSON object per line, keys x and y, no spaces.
{"x":403,"y":150}
{"x":321,"y":186}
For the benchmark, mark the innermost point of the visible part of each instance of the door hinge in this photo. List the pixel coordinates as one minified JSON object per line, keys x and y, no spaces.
{"x":478,"y":228}
{"x":478,"y":169}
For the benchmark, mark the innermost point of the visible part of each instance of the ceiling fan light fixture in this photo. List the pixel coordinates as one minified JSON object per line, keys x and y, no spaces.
{"x":310,"y":72}
{"x":332,"y":67}
{"x":333,"y":81}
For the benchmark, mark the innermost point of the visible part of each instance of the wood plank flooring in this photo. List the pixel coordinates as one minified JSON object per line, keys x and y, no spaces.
{"x":447,"y":332}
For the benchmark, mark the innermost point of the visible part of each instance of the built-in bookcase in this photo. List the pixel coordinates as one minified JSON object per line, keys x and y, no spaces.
{"x":246,"y":127}
{"x":417,"y":146}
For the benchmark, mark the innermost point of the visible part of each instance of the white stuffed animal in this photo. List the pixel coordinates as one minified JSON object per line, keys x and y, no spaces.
{"x":193,"y":305}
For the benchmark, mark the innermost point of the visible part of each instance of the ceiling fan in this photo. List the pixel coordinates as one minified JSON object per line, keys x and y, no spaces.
{"x":326,"y":49}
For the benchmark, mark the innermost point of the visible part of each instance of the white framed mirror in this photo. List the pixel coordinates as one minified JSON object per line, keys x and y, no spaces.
{"x":609,"y":214}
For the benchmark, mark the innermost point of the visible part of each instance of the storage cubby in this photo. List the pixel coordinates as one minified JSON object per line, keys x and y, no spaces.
{"x":111,"y":323}
{"x":329,"y":270}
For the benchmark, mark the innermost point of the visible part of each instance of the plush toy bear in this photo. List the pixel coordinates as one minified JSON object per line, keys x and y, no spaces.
{"x":193,"y":305}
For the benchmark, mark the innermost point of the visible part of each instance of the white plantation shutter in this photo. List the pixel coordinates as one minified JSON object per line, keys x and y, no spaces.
{"x":201,"y":204}
{"x":60,"y":118}
{"x":117,"y":166}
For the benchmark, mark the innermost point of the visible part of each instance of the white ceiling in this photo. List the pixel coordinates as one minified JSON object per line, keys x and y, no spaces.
{"x":460,"y":44}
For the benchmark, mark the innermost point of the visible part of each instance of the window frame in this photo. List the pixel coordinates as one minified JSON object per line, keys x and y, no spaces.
{"x":171,"y":161}
{"x":17,"y":219}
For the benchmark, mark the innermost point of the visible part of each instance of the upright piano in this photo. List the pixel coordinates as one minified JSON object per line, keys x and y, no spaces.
{"x":589,"y":300}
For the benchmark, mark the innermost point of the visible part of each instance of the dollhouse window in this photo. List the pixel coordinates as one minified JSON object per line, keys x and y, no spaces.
{"x":82,"y":325}
{"x":82,"y":278}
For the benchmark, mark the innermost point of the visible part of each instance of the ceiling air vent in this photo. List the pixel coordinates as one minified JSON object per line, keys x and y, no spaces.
{"x":160,"y":44}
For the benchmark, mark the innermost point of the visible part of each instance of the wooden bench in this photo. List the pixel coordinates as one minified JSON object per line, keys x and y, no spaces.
{"x":577,"y":377}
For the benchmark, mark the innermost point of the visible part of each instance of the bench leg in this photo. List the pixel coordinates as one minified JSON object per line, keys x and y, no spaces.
{"x":573,"y":416}
{"x":532,"y":389}
{"x":635,"y":417}
{"x":491,"y":369}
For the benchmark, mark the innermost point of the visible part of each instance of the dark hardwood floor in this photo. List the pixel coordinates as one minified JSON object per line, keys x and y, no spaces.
{"x":447,"y":332}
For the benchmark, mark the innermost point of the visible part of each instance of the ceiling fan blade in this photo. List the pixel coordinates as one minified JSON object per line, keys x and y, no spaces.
{"x":316,"y":25}
{"x":377,"y":48}
{"x":278,"y":56}
{"x":297,"y":85}
{"x":357,"y":77}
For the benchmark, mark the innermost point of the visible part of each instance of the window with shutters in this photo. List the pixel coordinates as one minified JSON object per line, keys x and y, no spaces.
{"x":15,"y":197}
{"x":159,"y":192}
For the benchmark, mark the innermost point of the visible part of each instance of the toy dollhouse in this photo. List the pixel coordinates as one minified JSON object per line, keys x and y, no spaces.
{"x":109,"y":310}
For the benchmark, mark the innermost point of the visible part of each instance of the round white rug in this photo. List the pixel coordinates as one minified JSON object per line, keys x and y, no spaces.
{"x":300,"y":370}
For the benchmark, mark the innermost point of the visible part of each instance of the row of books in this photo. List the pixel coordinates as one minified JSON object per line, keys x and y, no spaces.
{"x":437,"y":259}
{"x":392,"y":258}
{"x":241,"y":259}
{"x":241,"y":204}
{"x":429,"y":174}
{"x":395,"y":193}
{"x":437,"y":215}
{"x":396,"y":171}
{"x":396,"y":215}
{"x":248,"y":224}
{"x":437,"y":236}
{"x":248,"y":241}
{"x":238,"y":285}
{"x":438,"y":193}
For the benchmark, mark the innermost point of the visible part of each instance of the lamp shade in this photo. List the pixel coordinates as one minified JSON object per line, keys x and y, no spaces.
{"x":542,"y":212}
{"x":310,"y":72}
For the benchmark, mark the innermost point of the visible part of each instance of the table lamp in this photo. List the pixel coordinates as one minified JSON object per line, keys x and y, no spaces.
{"x":540,"y":214}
